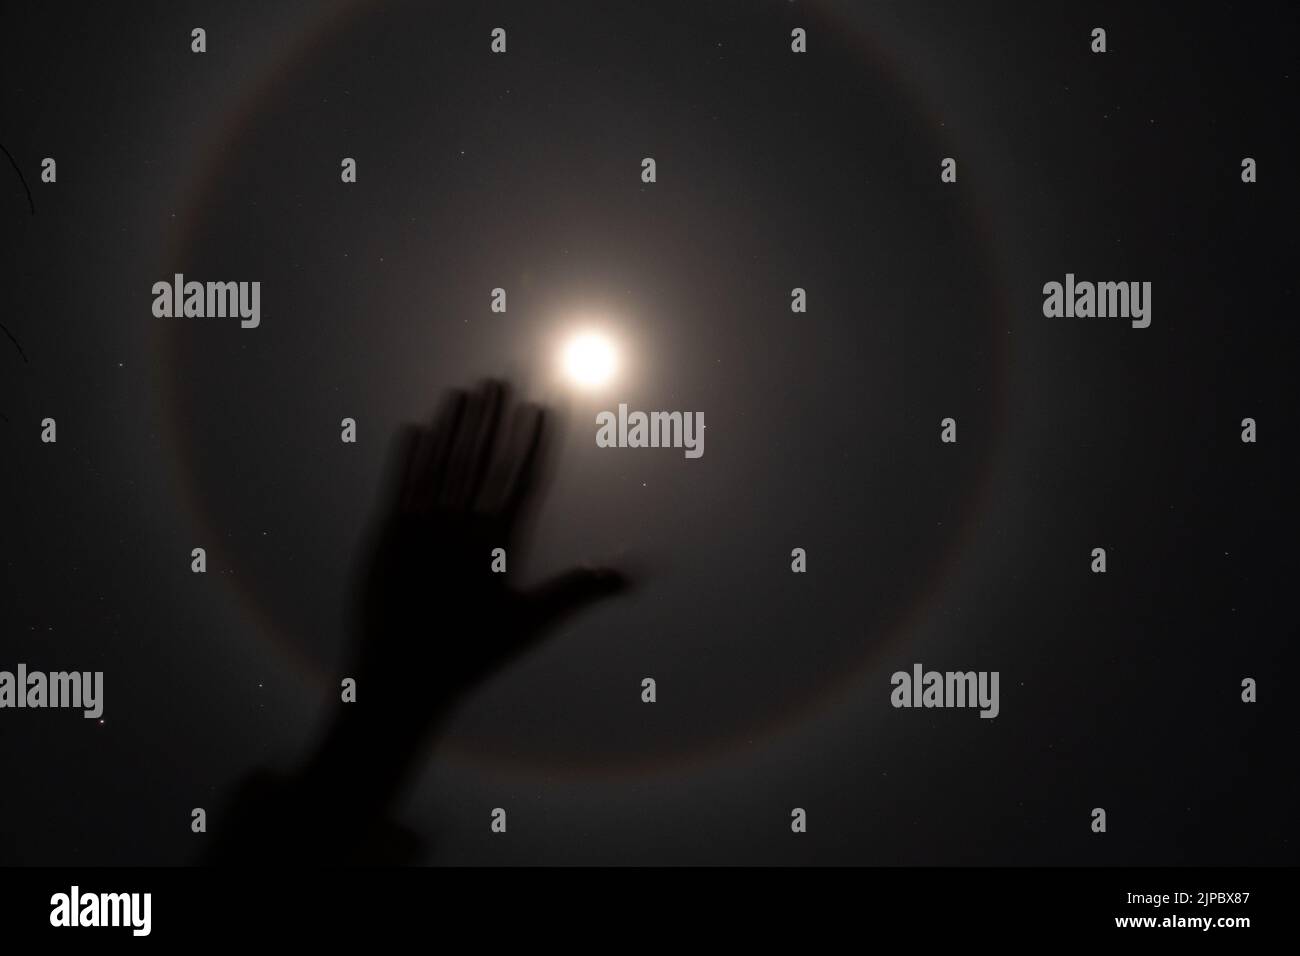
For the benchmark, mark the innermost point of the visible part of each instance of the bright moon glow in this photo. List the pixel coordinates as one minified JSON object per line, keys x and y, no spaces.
{"x":589,"y":360}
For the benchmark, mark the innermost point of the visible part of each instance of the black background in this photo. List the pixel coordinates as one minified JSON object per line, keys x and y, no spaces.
{"x":774,"y":171}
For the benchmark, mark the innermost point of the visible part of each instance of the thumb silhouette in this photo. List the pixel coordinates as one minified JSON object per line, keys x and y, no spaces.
{"x":570,"y":592}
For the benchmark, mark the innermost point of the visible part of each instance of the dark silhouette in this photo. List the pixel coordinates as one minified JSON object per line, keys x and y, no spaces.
{"x":433,"y":621}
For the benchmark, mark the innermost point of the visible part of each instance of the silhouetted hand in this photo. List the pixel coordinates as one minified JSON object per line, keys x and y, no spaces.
{"x":434,"y":619}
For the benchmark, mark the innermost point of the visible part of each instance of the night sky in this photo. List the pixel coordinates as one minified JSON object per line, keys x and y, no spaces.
{"x":775,"y":170}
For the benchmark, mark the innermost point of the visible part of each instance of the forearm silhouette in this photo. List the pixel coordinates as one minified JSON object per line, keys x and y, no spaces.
{"x":433,"y":620}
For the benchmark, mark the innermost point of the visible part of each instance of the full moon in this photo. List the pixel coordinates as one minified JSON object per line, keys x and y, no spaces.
{"x":590,"y":360}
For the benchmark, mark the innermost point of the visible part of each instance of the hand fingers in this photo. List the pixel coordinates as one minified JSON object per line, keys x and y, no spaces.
{"x":461,"y":462}
{"x":497,"y":399}
{"x":460,"y":459}
{"x":531,"y":430}
{"x":429,"y":466}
